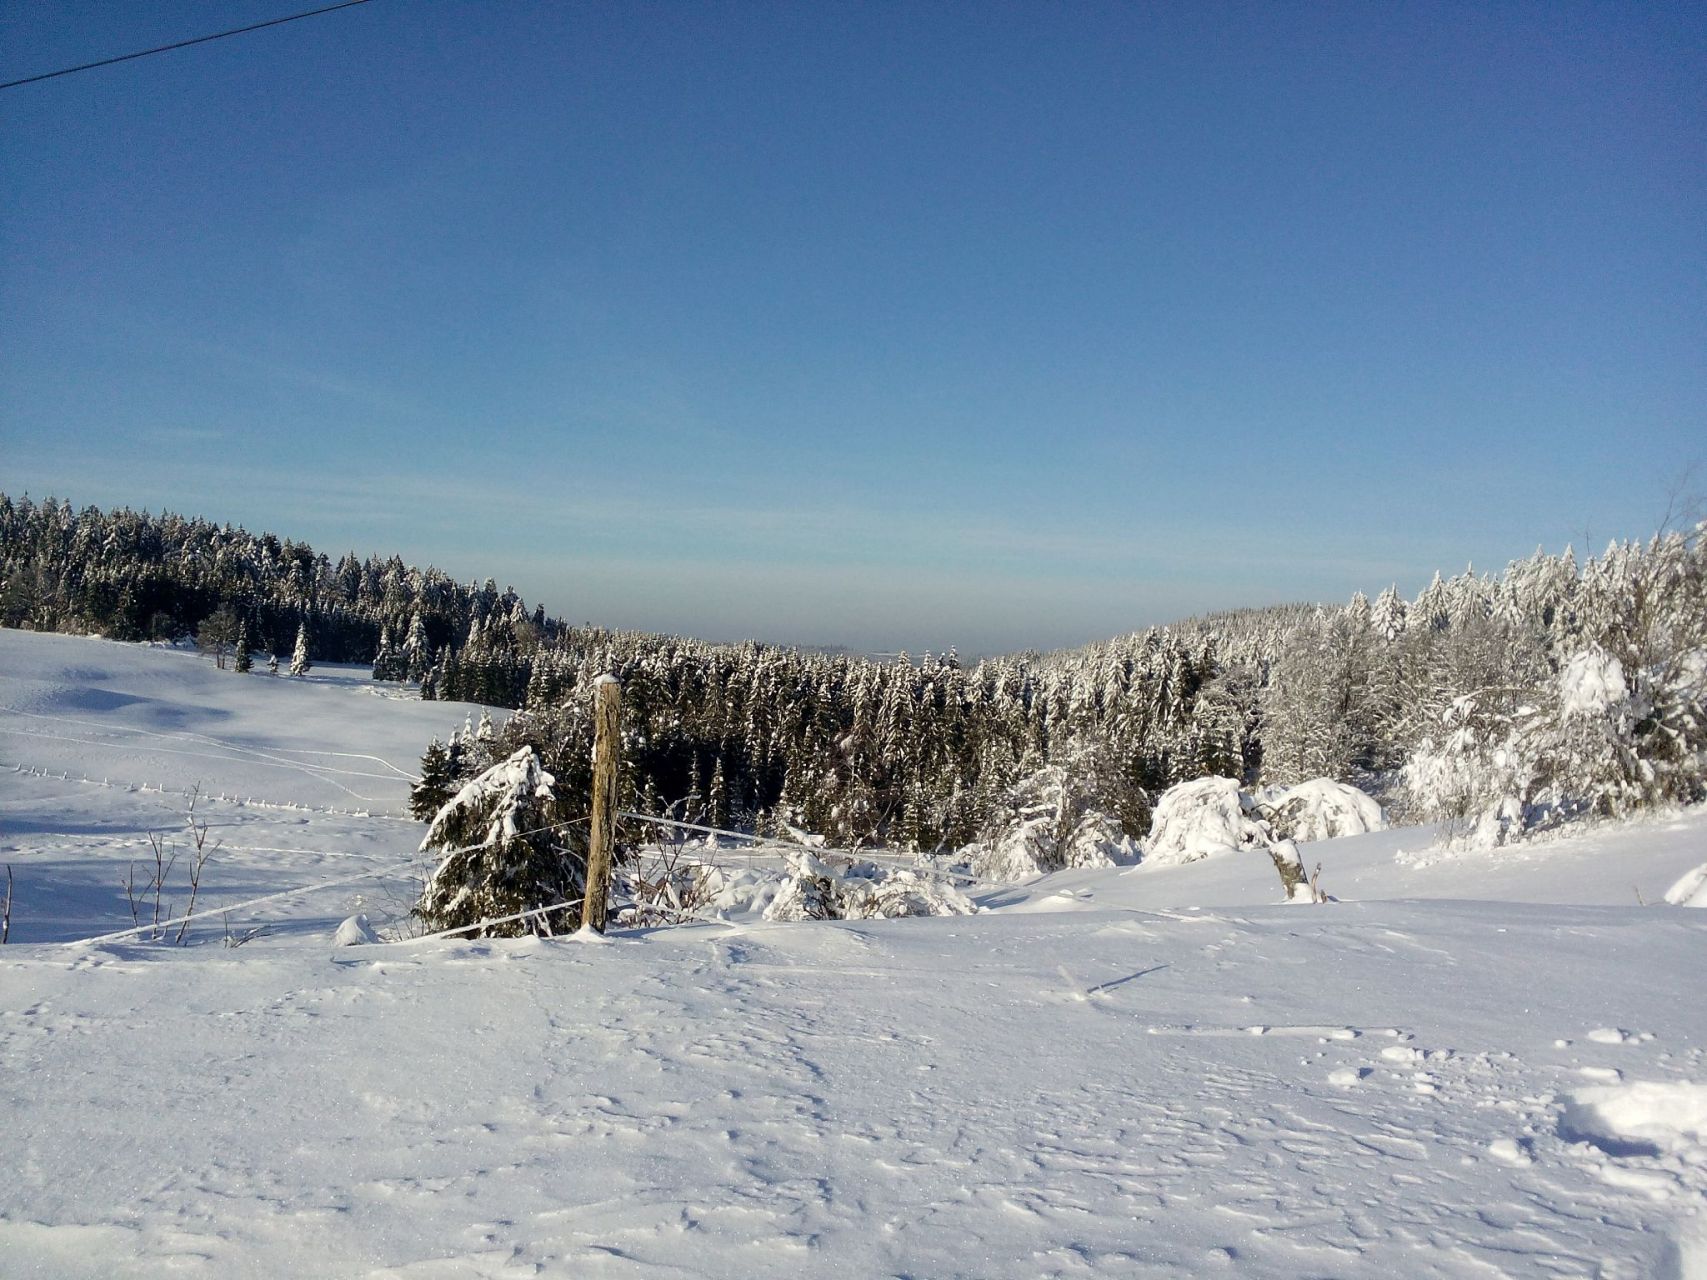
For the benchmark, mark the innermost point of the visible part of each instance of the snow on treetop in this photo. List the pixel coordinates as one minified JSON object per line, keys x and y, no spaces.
{"x":502,"y":787}
{"x":1320,"y":809}
{"x":1591,"y":684}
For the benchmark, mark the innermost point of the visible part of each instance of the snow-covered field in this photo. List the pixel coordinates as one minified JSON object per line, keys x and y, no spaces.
{"x":1472,"y":1065}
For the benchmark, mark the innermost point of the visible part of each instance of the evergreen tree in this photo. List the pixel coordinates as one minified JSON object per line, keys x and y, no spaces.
{"x":437,"y":784}
{"x":417,"y":655}
{"x":1387,"y":616}
{"x":245,"y":660}
{"x":481,"y":744}
{"x":384,"y":660}
{"x":299,"y":663}
{"x":451,"y":684}
{"x":500,"y":855}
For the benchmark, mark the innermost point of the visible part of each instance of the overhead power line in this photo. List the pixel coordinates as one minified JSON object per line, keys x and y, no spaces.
{"x":182,"y":44}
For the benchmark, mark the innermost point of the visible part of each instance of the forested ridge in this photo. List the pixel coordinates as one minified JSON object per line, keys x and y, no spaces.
{"x":1510,"y":701}
{"x":134,"y":576}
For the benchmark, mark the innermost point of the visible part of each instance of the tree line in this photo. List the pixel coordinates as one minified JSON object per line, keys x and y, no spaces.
{"x":1547,"y":691}
{"x":130,"y":575}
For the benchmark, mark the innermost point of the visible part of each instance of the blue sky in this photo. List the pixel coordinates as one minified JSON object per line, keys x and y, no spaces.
{"x":878,"y":324}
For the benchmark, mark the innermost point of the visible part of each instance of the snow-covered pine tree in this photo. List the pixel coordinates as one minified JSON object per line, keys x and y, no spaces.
{"x":417,"y":650}
{"x":245,"y":660}
{"x":1387,"y":615}
{"x":500,"y":855}
{"x":299,"y":662}
{"x":481,"y":745}
{"x":1430,"y":610}
{"x":1048,"y":821}
{"x":384,"y":660}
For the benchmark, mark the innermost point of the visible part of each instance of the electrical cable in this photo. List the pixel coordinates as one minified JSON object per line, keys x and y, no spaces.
{"x":181,"y":44}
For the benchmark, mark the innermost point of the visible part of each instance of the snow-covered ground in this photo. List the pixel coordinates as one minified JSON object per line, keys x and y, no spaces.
{"x":1472,"y":1065}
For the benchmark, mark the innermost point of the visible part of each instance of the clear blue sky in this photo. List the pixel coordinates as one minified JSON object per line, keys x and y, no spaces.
{"x":878,"y":324}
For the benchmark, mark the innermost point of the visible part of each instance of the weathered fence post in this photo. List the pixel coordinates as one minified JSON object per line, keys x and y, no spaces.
{"x":607,"y":758}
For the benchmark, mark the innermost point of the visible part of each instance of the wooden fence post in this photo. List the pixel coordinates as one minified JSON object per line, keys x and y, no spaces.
{"x":607,"y":759}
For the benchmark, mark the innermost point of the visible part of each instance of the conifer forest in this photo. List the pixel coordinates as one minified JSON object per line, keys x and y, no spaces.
{"x":1506,"y":702}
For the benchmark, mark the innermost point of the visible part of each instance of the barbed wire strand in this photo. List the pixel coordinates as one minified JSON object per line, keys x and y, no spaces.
{"x":869,"y":855}
{"x":121,"y":934}
{"x":282,"y":895}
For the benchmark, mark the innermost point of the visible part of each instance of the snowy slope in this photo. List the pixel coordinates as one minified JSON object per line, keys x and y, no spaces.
{"x":1470,"y":1066}
{"x":1626,"y":864}
{"x":303,"y":780}
{"x":334,"y":738}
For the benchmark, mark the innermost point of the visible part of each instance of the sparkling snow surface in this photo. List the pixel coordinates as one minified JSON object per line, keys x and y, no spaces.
{"x":1472,"y":1065}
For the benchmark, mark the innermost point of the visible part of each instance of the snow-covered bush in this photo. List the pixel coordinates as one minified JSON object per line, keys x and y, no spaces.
{"x":1210,"y":816}
{"x":731,"y":891}
{"x":1470,"y":774}
{"x":1047,"y":822}
{"x":1320,"y":809}
{"x":817,"y":890}
{"x":499,"y":855}
{"x":1205,"y":816}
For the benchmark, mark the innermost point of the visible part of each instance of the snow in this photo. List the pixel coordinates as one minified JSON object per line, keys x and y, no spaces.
{"x":1320,"y":809}
{"x":1591,"y":684}
{"x":858,"y":889}
{"x":1136,"y":1071}
{"x":1197,"y":819}
{"x":355,"y":932}
{"x":1669,"y":1116}
{"x":1690,"y":890}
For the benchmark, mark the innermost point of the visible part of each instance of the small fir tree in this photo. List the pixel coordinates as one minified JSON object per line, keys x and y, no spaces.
{"x":437,"y":783}
{"x":245,"y":661}
{"x":383,"y":659}
{"x":499,"y":855}
{"x":299,"y":663}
